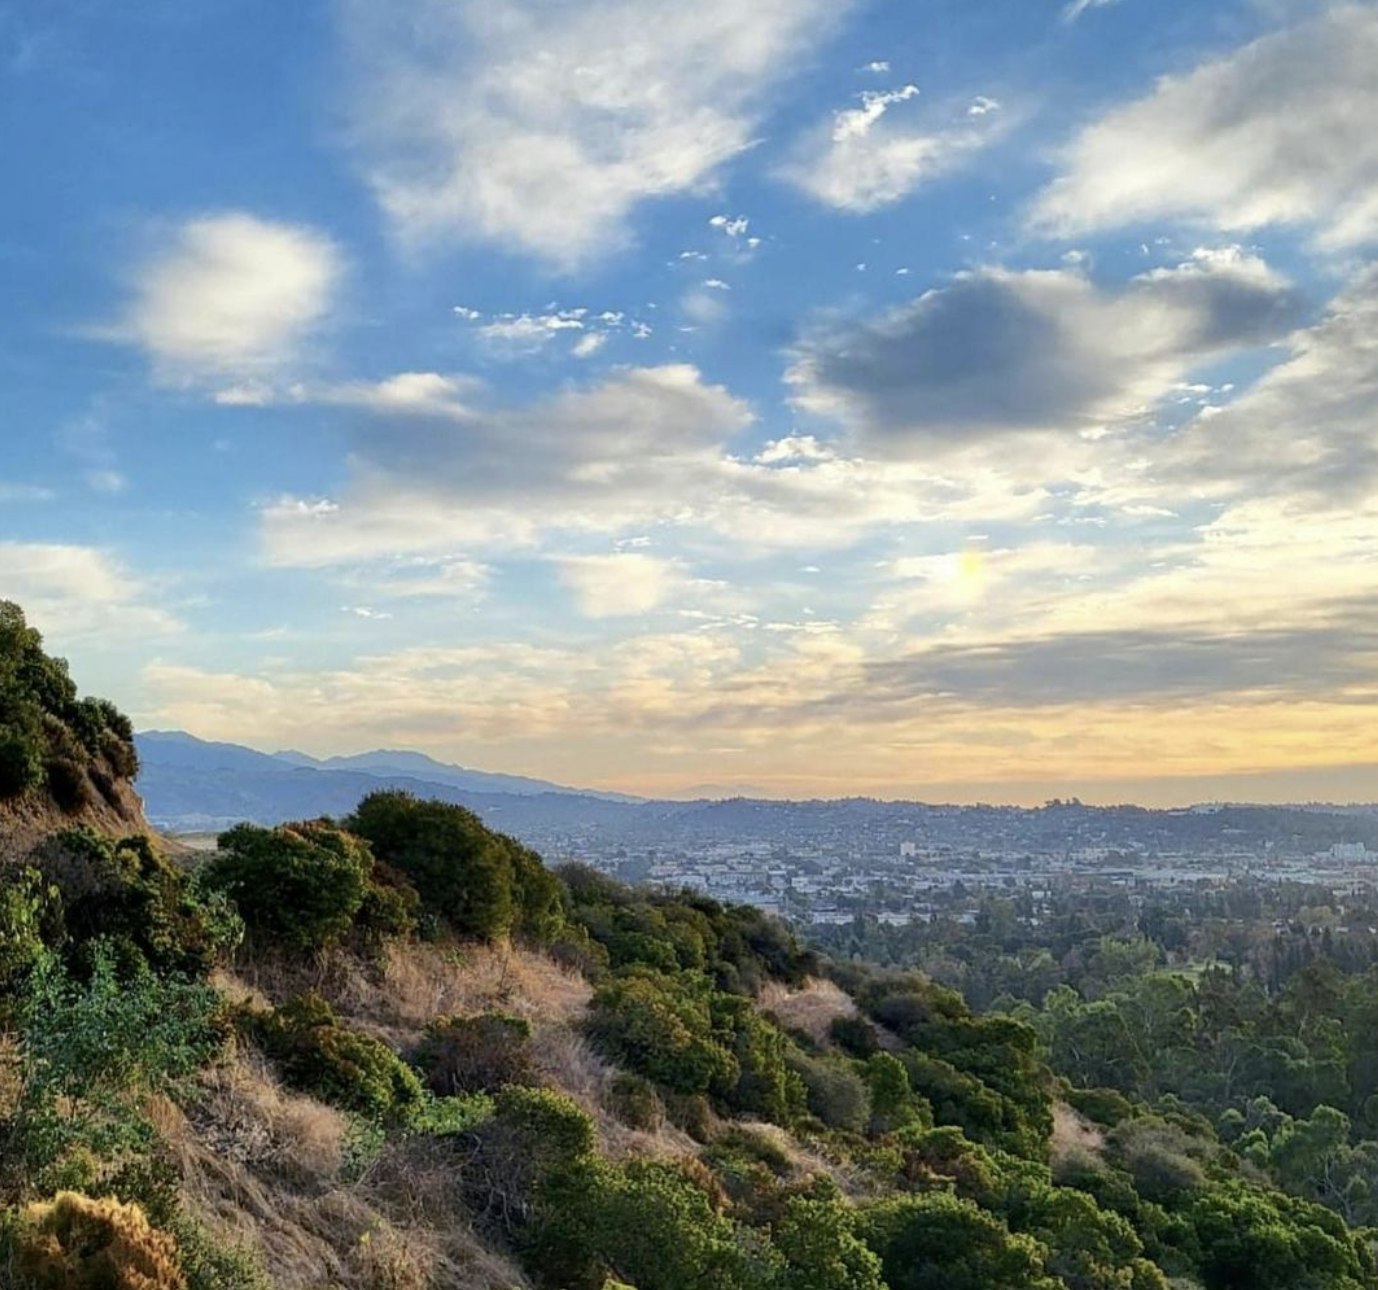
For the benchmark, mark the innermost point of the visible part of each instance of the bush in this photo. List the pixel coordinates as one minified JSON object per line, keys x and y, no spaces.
{"x":391,"y":907}
{"x":662,"y":1029}
{"x":48,"y":734}
{"x":319,"y":1056}
{"x":649,"y":1220}
{"x":939,"y":1240}
{"x":90,"y":1048}
{"x":462,"y":870}
{"x":26,"y":904}
{"x":634,"y":1100}
{"x":855,"y":1036}
{"x":142,"y":905}
{"x":68,"y":784}
{"x":21,"y":765}
{"x":297,"y":886}
{"x":834,"y":1092}
{"x":75,"y":1243}
{"x":476,"y":1054}
{"x":532,"y":1133}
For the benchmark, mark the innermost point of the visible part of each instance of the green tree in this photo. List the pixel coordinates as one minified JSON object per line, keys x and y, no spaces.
{"x":463,"y":871}
{"x":939,"y":1240}
{"x":297,"y":886}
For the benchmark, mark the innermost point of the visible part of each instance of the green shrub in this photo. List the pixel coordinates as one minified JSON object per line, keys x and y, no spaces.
{"x":634,"y":1100}
{"x":662,"y":1028}
{"x":532,"y":1133}
{"x":893,"y":1104}
{"x":462,"y":870}
{"x":765,"y":1085}
{"x":391,"y":907}
{"x":855,"y":1036}
{"x":819,"y":1242}
{"x":297,"y":886}
{"x":650,"y":1222}
{"x":21,"y":764}
{"x":48,"y":735}
{"x":476,"y":1054}
{"x":124,"y":892}
{"x":91,"y":1050}
{"x":940,"y":1240}
{"x":27,"y":902}
{"x":834,"y":1092}
{"x":317,"y":1055}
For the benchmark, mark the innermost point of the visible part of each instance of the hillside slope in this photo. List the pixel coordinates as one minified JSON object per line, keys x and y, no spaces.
{"x":64,"y":760}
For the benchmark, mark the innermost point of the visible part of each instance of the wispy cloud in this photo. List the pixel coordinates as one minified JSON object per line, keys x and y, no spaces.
{"x":865,"y":157}
{"x":1276,"y":133}
{"x":1078,"y":7}
{"x":541,"y":128}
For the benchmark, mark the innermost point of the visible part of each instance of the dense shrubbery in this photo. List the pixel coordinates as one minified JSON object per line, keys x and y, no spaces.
{"x":481,"y":883}
{"x":298,"y":886}
{"x":318,"y":1055}
{"x":48,"y":735}
{"x":476,"y":1054}
{"x":144,"y":908}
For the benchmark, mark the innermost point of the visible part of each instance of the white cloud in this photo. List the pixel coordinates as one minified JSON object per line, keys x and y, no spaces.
{"x":620,"y":585}
{"x":79,"y":592}
{"x":588,"y":345}
{"x":1078,"y":7}
{"x":1278,"y":132}
{"x":229,"y":297}
{"x":542,"y":126}
{"x":863,"y":158}
{"x":1306,"y":429}
{"x":643,"y":447}
{"x":17,"y":494}
{"x":999,"y":351}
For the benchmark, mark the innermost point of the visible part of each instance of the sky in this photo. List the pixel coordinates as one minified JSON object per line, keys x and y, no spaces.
{"x":911,"y":398}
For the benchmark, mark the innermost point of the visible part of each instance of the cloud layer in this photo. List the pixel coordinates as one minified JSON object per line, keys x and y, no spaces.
{"x":1279,"y":132}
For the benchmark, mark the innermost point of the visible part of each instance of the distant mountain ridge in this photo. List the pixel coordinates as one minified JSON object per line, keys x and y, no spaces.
{"x":176,"y":747}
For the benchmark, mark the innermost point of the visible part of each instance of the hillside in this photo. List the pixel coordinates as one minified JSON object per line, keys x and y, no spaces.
{"x":396,"y":1051}
{"x":64,"y":760}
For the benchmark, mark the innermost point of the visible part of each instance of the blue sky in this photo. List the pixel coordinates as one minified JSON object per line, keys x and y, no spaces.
{"x":820,"y":396}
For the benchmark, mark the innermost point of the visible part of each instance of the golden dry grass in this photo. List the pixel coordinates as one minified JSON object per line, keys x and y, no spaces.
{"x":263,"y":1168}
{"x":396,"y":996}
{"x":567,"y":1061}
{"x":811,"y":1009}
{"x":1073,"y":1135}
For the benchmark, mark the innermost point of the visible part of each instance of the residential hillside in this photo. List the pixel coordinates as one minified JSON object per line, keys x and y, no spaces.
{"x":396,"y":1051}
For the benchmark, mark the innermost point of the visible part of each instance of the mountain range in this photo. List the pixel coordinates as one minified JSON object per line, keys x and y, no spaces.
{"x":190,"y":784}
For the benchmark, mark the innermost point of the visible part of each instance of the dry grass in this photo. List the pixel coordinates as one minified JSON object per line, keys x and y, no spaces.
{"x":568,"y":1062}
{"x":1074,"y":1136}
{"x":10,"y":1084}
{"x":396,"y":997}
{"x":811,"y":1009}
{"x":263,"y":1168}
